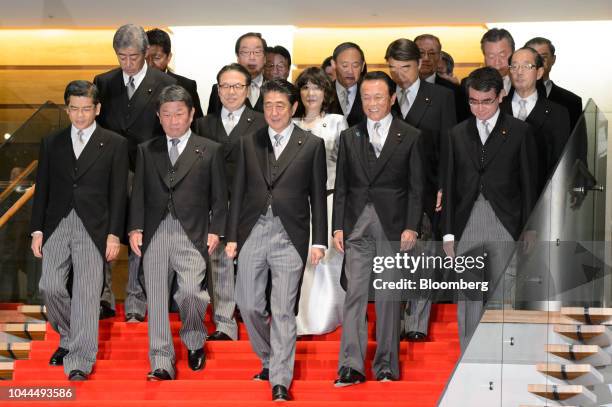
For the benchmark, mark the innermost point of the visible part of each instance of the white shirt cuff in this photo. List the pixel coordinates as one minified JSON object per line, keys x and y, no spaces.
{"x":319,"y":246}
{"x":448,"y":238}
{"x":38,"y":232}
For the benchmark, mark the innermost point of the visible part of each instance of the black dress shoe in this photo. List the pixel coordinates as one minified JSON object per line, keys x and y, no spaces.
{"x":77,"y":376}
{"x":280,"y":393}
{"x":264,"y":375}
{"x":57,"y":359}
{"x":196,"y":359}
{"x":348,"y":377}
{"x":106,"y":311}
{"x":385,"y":376}
{"x":414,"y":336}
{"x":158,"y":375}
{"x":219,"y":336}
{"x":133,"y":317}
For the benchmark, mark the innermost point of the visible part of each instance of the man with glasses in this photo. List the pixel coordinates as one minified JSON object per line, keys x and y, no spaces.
{"x":571,"y":101}
{"x":235,"y":122}
{"x":278,"y":63}
{"x":128,"y":95}
{"x":490,"y":189}
{"x":250,"y":52}
{"x":78,"y":215}
{"x":430,"y":49}
{"x":549,"y":121}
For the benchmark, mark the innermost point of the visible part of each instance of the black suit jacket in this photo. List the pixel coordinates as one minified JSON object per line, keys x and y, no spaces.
{"x":95,"y":185}
{"x":395,"y":187}
{"x":432,"y":112}
{"x":571,"y":101}
{"x":299,"y":188}
{"x":135,"y":119}
{"x":215,"y":105}
{"x":192,"y":87}
{"x":551,"y":127}
{"x":504,"y":171}
{"x":356,"y":115}
{"x":462,"y":108}
{"x":196,"y":186}
{"x":211,"y":127}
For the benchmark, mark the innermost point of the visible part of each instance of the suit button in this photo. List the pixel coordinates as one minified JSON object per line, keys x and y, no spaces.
{"x":171,"y":179}
{"x":129,"y":105}
{"x":481,"y":187}
{"x":76,"y":169}
{"x":74,"y":185}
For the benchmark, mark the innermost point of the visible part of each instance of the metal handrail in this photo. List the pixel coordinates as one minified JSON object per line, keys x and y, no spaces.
{"x":17,"y":205}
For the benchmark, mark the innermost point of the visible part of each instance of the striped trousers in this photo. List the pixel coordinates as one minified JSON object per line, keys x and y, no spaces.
{"x":222,"y":291}
{"x":171,"y":249}
{"x":76,"y":318}
{"x":272,"y":337}
{"x":484,"y":233}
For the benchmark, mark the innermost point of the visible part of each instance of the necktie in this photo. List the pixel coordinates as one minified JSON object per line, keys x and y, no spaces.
{"x":277,"y":144}
{"x":229,"y":123}
{"x":253,"y":93}
{"x":376,"y":140}
{"x":131,"y":87}
{"x":80,"y":144}
{"x":522,"y":113}
{"x":174,"y":151}
{"x":487,"y":132}
{"x":344,"y":100}
{"x":404,"y":102}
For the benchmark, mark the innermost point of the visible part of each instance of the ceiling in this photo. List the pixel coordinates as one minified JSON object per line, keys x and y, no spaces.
{"x":111,"y":13}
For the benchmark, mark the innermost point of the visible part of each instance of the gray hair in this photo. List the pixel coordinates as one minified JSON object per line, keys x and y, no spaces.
{"x":130,"y":35}
{"x":174,"y":93}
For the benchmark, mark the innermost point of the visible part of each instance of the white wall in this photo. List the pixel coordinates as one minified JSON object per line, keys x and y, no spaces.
{"x":199,"y":52}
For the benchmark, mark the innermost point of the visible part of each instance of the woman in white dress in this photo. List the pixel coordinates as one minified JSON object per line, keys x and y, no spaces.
{"x":322,"y":297}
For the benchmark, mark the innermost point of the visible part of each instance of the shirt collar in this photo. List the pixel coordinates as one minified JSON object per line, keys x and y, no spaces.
{"x":87,"y":132}
{"x":258,"y":80}
{"x":492,"y":120}
{"x":183,"y":138}
{"x":385,"y":123}
{"x":137,"y":77}
{"x":351,"y":91}
{"x":284,"y":134}
{"x":414,"y":88}
{"x":533,"y":98}
{"x":237,"y":113}
{"x":431,"y":78}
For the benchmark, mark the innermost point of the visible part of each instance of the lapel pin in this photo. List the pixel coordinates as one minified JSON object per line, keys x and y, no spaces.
{"x":547,"y":111}
{"x":101,"y":144}
{"x":150,"y":91}
{"x":299,"y":142}
{"x":427,"y":100}
{"x":249,"y":119}
{"x":324,"y":124}
{"x":503,"y":132}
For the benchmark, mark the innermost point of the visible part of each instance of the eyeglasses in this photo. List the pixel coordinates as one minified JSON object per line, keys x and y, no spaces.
{"x":245,"y":52}
{"x":484,"y":102}
{"x":525,"y":67}
{"x":236,"y":87}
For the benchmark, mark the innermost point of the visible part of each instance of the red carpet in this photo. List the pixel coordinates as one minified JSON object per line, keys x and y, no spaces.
{"x":119,"y":376}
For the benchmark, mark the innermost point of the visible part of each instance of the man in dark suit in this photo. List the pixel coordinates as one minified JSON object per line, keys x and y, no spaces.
{"x":430,"y":108}
{"x":179,"y":183}
{"x":128,"y":95}
{"x":77,"y":218}
{"x":378,"y":200}
{"x":430,"y":49}
{"x":571,"y":101}
{"x":159,"y":56}
{"x":348,"y":61}
{"x":490,"y":188}
{"x":278,"y":63}
{"x":250,"y":52}
{"x":236,"y":121}
{"x":279,"y":181}
{"x":549,"y":120}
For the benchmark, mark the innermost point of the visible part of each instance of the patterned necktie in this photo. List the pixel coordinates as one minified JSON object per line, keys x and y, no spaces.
{"x":174,"y":153}
{"x":404,"y":102}
{"x":253,"y":93}
{"x":80,"y":144}
{"x":376,"y":140}
{"x":522,"y":113}
{"x":277,"y":144}
{"x":229,"y":123}
{"x":131,"y":87}
{"x":487,"y":132}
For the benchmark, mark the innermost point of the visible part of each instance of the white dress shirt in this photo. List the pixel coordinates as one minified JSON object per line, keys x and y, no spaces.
{"x":352,"y":93}
{"x":181,"y":144}
{"x":255,"y":89}
{"x":86,"y":136}
{"x":529,"y":105}
{"x":383,"y":130}
{"x":137,"y":77}
{"x":237,"y":113}
{"x":492,"y":121}
{"x":431,"y":78}
{"x":412,"y":93}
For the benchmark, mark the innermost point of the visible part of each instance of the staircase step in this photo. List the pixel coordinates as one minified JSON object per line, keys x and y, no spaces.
{"x":591,"y":354}
{"x":35,"y":331}
{"x":6,"y":370}
{"x":583,"y":374}
{"x":563,"y":392}
{"x":587,"y":334}
{"x":15,"y":350}
{"x":584,"y":314}
{"x":34,"y":311}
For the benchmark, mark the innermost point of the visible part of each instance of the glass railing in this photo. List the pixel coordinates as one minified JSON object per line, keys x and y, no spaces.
{"x":19,"y":271}
{"x":554,"y":278}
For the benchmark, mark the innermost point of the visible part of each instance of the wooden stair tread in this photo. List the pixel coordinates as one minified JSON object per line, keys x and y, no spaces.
{"x":34,"y":331}
{"x":586,"y":331}
{"x":597,"y":315}
{"x":34,"y":311}
{"x":16,"y":350}
{"x":564,"y":392}
{"x":571,"y":371}
{"x":6,"y":370}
